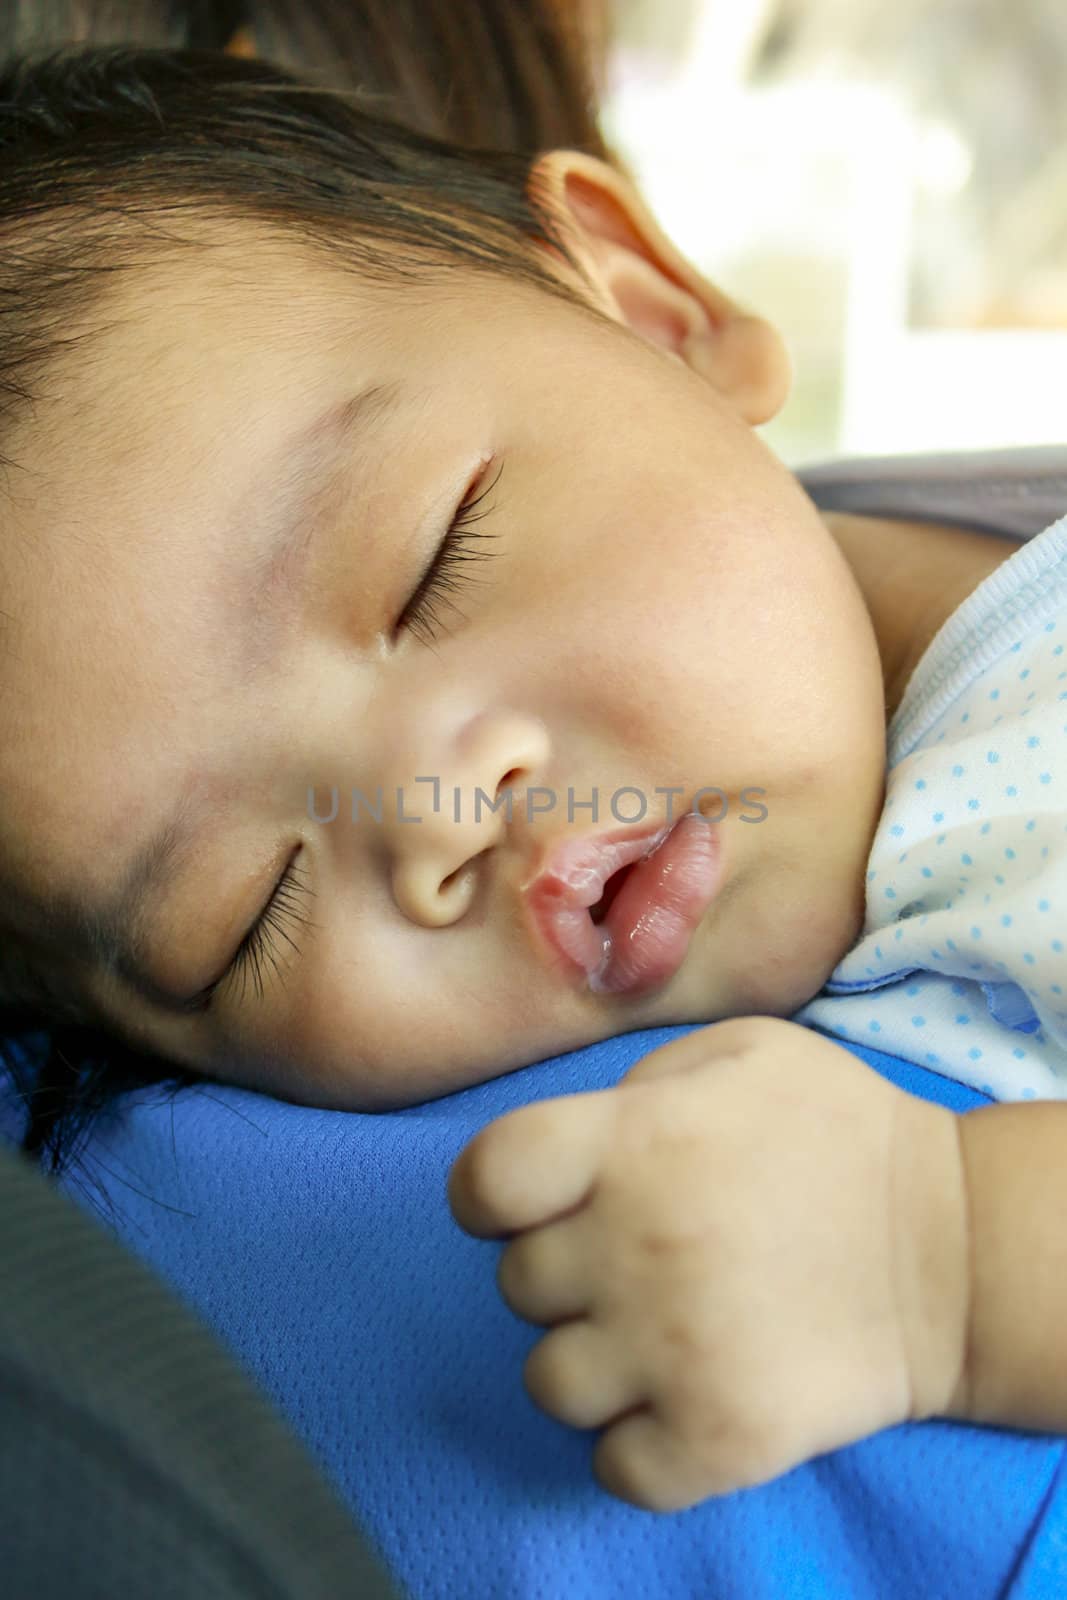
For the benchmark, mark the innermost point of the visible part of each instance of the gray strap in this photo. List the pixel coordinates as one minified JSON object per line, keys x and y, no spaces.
{"x":1019,"y":492}
{"x":137,"y":1457}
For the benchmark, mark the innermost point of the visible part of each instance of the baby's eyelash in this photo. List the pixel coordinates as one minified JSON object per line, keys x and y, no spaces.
{"x":258,"y":941}
{"x":447,"y":574}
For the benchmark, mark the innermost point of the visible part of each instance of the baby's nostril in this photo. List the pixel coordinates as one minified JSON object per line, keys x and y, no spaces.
{"x":463,"y":871}
{"x":454,"y":878}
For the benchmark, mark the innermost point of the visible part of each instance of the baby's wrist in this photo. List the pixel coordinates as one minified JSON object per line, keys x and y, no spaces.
{"x":932,"y":1256}
{"x":1014,"y":1373}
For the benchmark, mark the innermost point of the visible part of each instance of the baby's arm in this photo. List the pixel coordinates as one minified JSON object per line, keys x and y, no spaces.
{"x":1015,"y":1369}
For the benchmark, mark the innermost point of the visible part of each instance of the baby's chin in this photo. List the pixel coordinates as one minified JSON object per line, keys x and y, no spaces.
{"x":796,"y":976}
{"x":773,"y":961}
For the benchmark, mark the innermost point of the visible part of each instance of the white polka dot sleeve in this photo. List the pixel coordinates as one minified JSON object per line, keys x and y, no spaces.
{"x":962,"y":962}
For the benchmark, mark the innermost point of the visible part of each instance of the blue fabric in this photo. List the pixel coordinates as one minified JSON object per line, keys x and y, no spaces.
{"x":320,"y":1247}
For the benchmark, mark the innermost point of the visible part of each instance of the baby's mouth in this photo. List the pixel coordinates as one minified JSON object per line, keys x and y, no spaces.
{"x":611,"y":889}
{"x":636,"y":934}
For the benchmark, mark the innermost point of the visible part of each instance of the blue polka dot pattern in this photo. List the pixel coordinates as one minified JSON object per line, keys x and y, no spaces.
{"x":961,"y":965}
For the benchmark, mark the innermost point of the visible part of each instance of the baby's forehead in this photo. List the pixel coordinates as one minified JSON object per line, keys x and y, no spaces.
{"x":148,"y":339}
{"x":183,"y":298}
{"x":234,"y":286}
{"x":243,"y":280}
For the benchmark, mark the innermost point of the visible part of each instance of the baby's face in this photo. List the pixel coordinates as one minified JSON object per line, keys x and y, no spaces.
{"x":663,"y":608}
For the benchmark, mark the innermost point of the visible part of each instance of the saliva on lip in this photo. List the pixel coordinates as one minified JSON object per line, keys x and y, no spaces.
{"x":595,"y":978}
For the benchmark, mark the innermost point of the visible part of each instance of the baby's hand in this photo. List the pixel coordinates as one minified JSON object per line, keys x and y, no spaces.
{"x":744,"y":1247}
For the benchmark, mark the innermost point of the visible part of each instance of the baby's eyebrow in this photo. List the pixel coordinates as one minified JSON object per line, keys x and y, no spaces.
{"x":116,"y":931}
{"x":282,"y":507}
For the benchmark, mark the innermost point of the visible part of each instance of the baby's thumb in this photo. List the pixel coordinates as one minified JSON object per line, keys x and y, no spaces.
{"x":713,"y":1042}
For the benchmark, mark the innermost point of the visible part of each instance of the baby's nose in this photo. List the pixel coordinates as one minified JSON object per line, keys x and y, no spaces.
{"x":430,"y":898}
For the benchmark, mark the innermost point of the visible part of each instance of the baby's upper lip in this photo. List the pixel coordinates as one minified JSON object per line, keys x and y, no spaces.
{"x":574,"y":870}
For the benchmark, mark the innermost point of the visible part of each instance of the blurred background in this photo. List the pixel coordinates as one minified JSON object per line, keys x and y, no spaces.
{"x":885,"y":182}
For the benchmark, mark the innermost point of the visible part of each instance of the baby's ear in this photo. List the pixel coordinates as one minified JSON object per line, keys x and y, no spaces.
{"x":747,"y":360}
{"x":639,"y":277}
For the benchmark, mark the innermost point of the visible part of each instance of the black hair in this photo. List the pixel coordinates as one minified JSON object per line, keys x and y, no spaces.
{"x":518,"y":75}
{"x":104,"y":152}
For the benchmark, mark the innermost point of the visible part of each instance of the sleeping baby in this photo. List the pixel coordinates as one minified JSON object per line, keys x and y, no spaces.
{"x":416,"y":666}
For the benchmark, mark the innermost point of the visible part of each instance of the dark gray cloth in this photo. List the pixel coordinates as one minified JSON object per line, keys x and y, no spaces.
{"x":1017,"y":492}
{"x":137,"y":1457}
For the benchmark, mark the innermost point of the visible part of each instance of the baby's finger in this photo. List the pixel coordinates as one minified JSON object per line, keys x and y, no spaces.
{"x":574,"y":1377}
{"x":545,"y":1275}
{"x":638,"y":1460}
{"x":532,"y":1165}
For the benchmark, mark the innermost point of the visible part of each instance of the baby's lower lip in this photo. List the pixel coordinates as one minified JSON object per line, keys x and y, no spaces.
{"x":646,"y":932}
